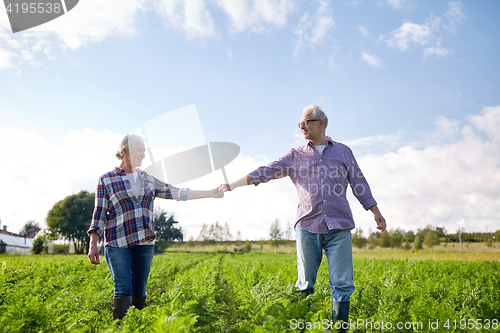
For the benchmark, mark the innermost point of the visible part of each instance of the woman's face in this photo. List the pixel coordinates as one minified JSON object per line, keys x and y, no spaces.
{"x":137,"y":152}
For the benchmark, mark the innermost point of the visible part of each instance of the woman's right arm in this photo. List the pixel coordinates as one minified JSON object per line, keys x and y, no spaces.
{"x":98,"y":221}
{"x":93,"y":249}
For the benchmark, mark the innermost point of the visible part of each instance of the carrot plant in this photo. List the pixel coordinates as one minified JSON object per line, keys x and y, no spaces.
{"x":198,"y":292}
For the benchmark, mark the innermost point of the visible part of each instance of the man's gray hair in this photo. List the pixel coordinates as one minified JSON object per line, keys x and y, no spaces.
{"x":126,"y":142}
{"x":317,"y":113}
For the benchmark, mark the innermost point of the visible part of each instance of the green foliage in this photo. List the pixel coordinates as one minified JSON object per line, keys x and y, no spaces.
{"x":409,"y":236}
{"x":37,"y":247}
{"x":248,"y":246}
{"x":164,"y":226}
{"x":70,"y":219}
{"x":431,"y":239}
{"x":385,"y":239}
{"x":28,"y":226}
{"x":357,"y":239}
{"x":397,"y":239}
{"x":371,"y":241}
{"x":238,"y":293}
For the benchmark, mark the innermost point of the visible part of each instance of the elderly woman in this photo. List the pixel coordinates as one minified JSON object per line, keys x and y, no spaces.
{"x":123,"y":213}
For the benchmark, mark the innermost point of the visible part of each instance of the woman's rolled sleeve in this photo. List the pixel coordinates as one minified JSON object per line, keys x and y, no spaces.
{"x":166,"y":191}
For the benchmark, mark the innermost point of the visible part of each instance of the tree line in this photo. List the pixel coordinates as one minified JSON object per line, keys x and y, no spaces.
{"x":429,"y":237}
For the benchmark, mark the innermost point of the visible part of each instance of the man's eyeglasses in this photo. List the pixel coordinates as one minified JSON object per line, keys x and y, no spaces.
{"x":305,"y":123}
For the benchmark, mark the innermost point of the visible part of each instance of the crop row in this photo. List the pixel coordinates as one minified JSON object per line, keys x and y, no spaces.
{"x":240,"y":293}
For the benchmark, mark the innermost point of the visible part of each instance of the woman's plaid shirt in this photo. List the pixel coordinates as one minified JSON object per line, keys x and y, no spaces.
{"x":124,"y":219}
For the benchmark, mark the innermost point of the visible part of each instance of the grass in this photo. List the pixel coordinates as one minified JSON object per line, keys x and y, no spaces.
{"x":445,"y":251}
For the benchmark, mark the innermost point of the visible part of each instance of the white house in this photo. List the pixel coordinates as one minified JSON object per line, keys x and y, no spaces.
{"x":15,"y":245}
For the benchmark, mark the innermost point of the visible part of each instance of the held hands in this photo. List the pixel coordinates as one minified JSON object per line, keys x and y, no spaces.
{"x":218,"y":192}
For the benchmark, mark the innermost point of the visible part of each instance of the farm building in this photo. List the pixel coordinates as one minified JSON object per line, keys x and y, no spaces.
{"x":15,"y":245}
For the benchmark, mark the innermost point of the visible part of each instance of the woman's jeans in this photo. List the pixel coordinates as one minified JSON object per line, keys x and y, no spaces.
{"x":338,"y":249}
{"x":129,"y":268}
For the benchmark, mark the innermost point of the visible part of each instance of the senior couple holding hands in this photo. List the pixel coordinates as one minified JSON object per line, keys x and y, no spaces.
{"x":321,"y":170}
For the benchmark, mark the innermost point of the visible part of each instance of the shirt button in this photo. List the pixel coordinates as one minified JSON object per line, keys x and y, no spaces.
{"x":324,"y":200}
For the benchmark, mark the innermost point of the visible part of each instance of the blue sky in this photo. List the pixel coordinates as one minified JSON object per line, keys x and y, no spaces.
{"x":411,"y":86}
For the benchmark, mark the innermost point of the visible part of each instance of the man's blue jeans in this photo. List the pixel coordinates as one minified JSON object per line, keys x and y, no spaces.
{"x":338,"y":249}
{"x":129,"y":268}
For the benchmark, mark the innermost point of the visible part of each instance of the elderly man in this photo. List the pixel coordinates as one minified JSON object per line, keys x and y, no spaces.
{"x":321,"y":170}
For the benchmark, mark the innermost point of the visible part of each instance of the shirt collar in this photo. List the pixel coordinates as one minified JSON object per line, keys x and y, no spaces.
{"x":309,"y":143}
{"x":122,"y":172}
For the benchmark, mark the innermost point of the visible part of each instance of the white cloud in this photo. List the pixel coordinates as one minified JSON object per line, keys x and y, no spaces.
{"x":6,"y":59}
{"x":488,"y":122}
{"x":93,"y":21}
{"x":386,"y":142}
{"x":436,"y":50}
{"x":188,"y":16}
{"x":313,"y":28}
{"x":444,"y":183}
{"x":409,"y":33}
{"x":245,"y":14}
{"x":371,"y":60}
{"x":43,"y":172}
{"x":363,"y":30}
{"x":424,"y":34}
{"x":454,"y":15}
{"x":400,"y":4}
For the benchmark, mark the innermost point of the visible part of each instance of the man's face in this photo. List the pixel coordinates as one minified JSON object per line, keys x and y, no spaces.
{"x":310,"y":130}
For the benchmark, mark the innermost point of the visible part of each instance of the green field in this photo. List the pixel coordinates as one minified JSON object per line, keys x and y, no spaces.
{"x":217,"y":292}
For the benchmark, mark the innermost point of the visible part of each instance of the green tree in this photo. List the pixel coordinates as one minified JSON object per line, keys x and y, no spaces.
{"x":28,"y":226}
{"x":276,"y":234}
{"x":371,"y":241}
{"x":164,"y":226}
{"x":409,"y":236}
{"x":397,"y":239}
{"x":70,"y":219}
{"x":248,"y":246}
{"x":358,"y":240}
{"x":385,"y":239}
{"x":417,"y":243}
{"x":37,"y":247}
{"x":431,"y":239}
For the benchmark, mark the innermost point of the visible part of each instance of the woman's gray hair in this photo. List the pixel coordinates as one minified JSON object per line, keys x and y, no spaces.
{"x":126,"y":142}
{"x":317,"y":113}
